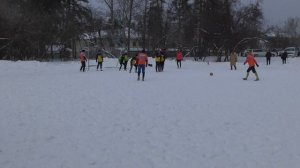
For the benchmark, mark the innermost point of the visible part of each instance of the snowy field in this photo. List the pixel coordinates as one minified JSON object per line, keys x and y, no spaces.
{"x":53,"y":116}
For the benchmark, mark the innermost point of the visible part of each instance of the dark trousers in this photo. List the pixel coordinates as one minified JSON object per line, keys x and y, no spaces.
{"x":141,"y":68}
{"x":268,"y":61}
{"x":135,"y":67}
{"x":233,"y":66}
{"x":284,"y":60}
{"x":157,"y":66}
{"x":162,"y":64}
{"x":99,"y":64}
{"x":251,"y":69}
{"x":178,"y":63}
{"x":82,"y":68}
{"x":121,"y":64}
{"x":125,"y":65}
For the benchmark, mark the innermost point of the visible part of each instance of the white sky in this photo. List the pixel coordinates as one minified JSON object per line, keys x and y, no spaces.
{"x":277,"y":11}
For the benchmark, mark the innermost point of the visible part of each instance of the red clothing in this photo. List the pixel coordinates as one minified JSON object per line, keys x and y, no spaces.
{"x":179,"y":56}
{"x":142,"y":59}
{"x":82,"y":57}
{"x":250,"y":60}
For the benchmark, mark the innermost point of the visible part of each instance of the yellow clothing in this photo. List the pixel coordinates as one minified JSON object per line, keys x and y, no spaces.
{"x":99,"y":58}
{"x":157,"y":59}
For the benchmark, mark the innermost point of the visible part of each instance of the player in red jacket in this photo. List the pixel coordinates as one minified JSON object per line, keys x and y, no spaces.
{"x":142,"y":62}
{"x":251,"y":62}
{"x":179,"y":58}
{"x":82,"y":60}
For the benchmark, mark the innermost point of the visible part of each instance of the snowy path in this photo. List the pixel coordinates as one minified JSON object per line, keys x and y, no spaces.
{"x":53,"y":116}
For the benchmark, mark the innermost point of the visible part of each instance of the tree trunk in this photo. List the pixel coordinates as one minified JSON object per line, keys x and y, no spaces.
{"x":144,"y":25}
{"x":129,"y":25}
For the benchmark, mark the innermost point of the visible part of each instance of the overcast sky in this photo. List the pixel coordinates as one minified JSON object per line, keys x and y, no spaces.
{"x":277,"y":11}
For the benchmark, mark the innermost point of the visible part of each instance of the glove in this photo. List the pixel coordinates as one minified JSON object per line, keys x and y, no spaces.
{"x":257,"y":65}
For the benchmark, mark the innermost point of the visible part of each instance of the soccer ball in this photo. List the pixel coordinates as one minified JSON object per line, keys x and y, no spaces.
{"x":211,"y":74}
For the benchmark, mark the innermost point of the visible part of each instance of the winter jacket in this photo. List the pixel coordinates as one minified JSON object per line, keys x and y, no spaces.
{"x":126,"y":58}
{"x":251,"y":60}
{"x":284,"y":55}
{"x":133,"y":61}
{"x":233,"y":58}
{"x":268,"y":55}
{"x":99,"y":58}
{"x":82,"y":57}
{"x":179,"y":56}
{"x":121,"y":59}
{"x":162,"y":58}
{"x":142,"y":59}
{"x":157,"y":58}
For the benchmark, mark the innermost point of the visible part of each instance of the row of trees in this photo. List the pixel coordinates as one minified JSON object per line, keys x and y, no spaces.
{"x":206,"y":25}
{"x":29,"y":27}
{"x":287,"y":34}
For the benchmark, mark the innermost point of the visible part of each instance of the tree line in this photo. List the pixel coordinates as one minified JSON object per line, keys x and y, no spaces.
{"x":30,"y":28}
{"x":208,"y":26}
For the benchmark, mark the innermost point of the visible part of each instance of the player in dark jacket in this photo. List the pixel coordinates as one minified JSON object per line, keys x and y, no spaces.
{"x":283,"y":57}
{"x":133,"y":63}
{"x":268,"y":57}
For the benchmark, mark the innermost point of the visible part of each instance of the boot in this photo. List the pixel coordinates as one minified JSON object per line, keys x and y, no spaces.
{"x":143,"y":76}
{"x":257,"y":78}
{"x":246,"y":76}
{"x":138,"y":76}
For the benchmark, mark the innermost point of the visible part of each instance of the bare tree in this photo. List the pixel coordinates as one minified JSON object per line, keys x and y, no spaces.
{"x":129,"y":24}
{"x":292,"y":27}
{"x":110,"y":5}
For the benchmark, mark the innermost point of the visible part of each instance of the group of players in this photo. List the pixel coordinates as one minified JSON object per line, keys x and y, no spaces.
{"x":139,"y":62}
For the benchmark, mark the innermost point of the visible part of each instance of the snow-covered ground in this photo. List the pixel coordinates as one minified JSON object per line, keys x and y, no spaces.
{"x":53,"y":116}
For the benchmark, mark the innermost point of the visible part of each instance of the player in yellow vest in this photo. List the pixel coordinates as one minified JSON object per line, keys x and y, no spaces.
{"x":157,"y":62}
{"x":99,"y":59}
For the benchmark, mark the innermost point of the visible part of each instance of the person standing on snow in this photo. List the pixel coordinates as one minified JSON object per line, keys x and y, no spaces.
{"x":83,"y":59}
{"x":179,"y":58}
{"x":283,"y":57}
{"x":142,"y":62}
{"x":268,"y":57}
{"x":157,"y":62}
{"x":251,"y":62}
{"x":163,"y":56}
{"x":162,"y":61}
{"x":233,"y":60}
{"x":99,"y":60}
